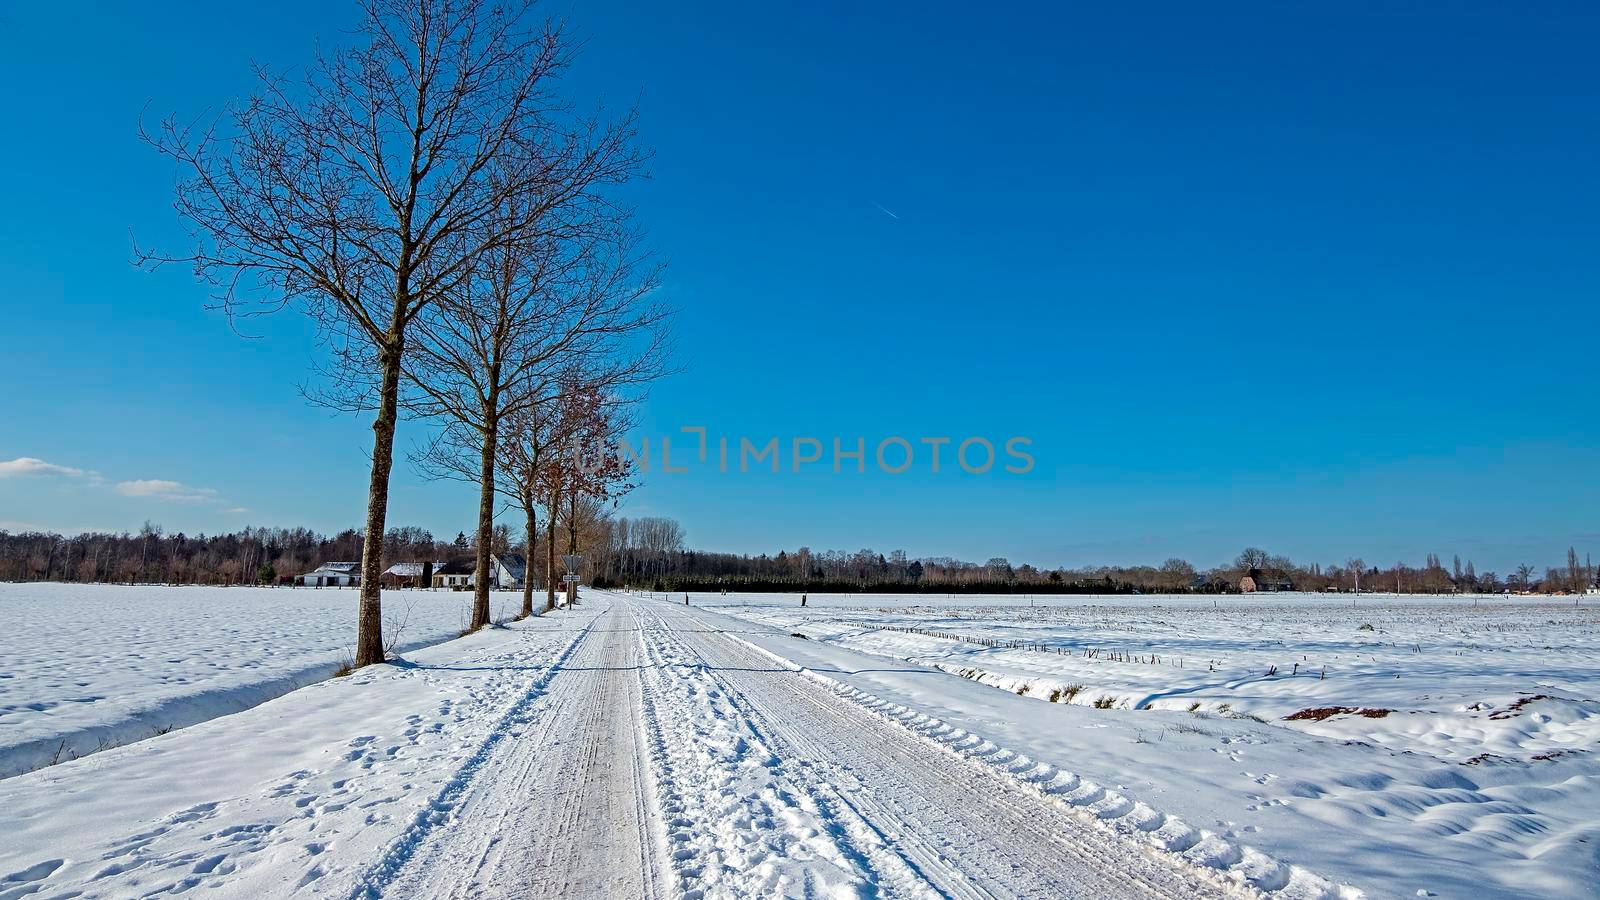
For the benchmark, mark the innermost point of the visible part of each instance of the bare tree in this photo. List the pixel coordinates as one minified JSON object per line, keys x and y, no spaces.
{"x":529,"y":437}
{"x":536,"y":447}
{"x":591,"y":468}
{"x":1177,"y":575}
{"x":526,"y":439}
{"x":1355,"y":566}
{"x":659,"y":534}
{"x":574,"y":294}
{"x":658,"y":537}
{"x":362,"y":193}
{"x":1524,"y":576}
{"x":1251,"y":558}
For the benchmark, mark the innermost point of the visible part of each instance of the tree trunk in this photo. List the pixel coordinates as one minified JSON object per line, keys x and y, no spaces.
{"x":480,"y":592}
{"x":369,"y":628}
{"x":550,"y":551}
{"x":572,"y":537}
{"x":527,"y":577}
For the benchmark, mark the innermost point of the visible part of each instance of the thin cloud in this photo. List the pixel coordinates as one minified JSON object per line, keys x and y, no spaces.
{"x":28,"y":465}
{"x":16,"y":527}
{"x":885,"y":211}
{"x":174,"y":491}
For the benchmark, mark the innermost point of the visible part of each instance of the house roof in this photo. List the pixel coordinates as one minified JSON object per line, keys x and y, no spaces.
{"x":461,"y":565}
{"x":513,"y":563}
{"x":341,"y":568}
{"x":409,"y":569}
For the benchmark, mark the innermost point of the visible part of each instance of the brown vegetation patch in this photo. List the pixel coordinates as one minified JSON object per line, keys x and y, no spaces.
{"x":1511,"y":710}
{"x":1065,"y":694}
{"x":1327,"y":712}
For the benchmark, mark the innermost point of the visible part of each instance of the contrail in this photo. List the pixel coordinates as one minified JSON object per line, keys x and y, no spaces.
{"x":885,"y":211}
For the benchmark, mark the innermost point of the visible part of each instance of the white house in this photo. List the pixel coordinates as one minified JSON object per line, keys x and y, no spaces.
{"x":332,"y":574}
{"x":510,"y":570}
{"x":456,"y":573}
{"x":506,"y":571}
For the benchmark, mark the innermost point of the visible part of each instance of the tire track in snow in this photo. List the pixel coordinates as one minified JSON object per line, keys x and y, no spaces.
{"x":951,"y":823}
{"x":564,"y":808}
{"x":380,"y":874}
{"x":743,"y":820}
{"x":597,"y":782}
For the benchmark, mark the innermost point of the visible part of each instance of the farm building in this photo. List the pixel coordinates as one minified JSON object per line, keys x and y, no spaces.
{"x":332,"y":574}
{"x":410,"y":574}
{"x":505,"y":571}
{"x":1260,"y":582}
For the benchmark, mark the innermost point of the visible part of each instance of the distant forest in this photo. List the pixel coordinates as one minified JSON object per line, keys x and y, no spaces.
{"x":650,"y":553}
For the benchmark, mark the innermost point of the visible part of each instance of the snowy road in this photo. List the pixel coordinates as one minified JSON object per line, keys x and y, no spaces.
{"x":770,"y":784}
{"x":911,"y":818}
{"x":627,"y":749}
{"x":566,"y":810}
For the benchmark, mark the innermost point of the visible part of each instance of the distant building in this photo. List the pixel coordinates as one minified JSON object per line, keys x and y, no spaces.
{"x":455,"y":573}
{"x":510,"y":569}
{"x":1257,"y":582}
{"x":332,"y":574}
{"x":506,"y":571}
{"x":410,"y":574}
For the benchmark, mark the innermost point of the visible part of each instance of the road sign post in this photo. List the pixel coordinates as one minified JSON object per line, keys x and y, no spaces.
{"x":571,"y":561}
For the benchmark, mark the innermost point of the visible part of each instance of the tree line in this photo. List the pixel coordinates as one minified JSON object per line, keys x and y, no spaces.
{"x":250,"y":556}
{"x":651,"y":553}
{"x":455,"y":227}
{"x":832,"y":571}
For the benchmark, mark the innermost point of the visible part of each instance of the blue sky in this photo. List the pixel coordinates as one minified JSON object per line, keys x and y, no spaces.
{"x":1322,"y":282}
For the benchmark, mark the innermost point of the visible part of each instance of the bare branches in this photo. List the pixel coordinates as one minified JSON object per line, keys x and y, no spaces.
{"x":388,"y":182}
{"x":360,"y":191}
{"x":553,"y":290}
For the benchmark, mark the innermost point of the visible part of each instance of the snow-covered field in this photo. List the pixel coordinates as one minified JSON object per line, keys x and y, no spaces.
{"x":1468,"y":680}
{"x":86,"y":667}
{"x":1482,"y":780}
